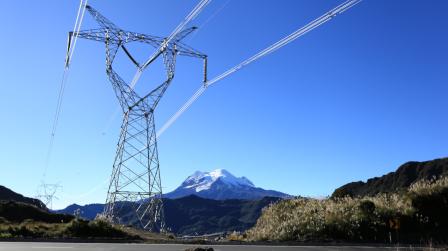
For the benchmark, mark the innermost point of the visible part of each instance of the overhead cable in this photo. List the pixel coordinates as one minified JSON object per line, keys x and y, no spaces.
{"x":286,"y":40}
{"x":71,"y":46}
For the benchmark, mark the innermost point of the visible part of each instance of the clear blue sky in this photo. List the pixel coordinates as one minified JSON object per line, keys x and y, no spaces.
{"x":353,"y":99}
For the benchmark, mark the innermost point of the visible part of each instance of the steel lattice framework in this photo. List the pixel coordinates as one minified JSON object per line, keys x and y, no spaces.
{"x":135,"y":181}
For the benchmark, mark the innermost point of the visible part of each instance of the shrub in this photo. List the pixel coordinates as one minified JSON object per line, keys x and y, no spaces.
{"x":96,"y":228}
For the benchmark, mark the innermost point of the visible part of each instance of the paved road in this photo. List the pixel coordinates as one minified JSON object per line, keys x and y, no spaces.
{"x":22,"y":246}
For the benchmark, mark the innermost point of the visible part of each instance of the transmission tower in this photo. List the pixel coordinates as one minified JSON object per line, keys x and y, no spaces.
{"x":47,"y":193}
{"x":135,"y":189}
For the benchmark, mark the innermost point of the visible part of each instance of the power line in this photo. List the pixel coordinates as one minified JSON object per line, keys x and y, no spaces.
{"x":286,"y":40}
{"x":70,"y":50}
{"x":211,"y":17}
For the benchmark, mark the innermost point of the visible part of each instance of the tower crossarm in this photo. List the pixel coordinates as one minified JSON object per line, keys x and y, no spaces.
{"x":185,"y":50}
{"x":115,"y":38}
{"x":118,"y":37}
{"x":181,"y":35}
{"x":121,"y":38}
{"x":115,"y":33}
{"x":102,"y":20}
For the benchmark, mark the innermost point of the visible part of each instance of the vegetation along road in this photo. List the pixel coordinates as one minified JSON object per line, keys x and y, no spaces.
{"x":19,"y":246}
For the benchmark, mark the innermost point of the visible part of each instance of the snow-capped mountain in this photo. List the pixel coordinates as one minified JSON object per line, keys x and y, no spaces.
{"x":220,"y":184}
{"x":200,"y":181}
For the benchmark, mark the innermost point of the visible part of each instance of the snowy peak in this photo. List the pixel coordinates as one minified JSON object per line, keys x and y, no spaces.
{"x":220,"y":184}
{"x":200,"y":181}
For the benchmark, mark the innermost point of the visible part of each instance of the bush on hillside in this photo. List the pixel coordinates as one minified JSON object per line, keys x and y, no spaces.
{"x":96,"y":228}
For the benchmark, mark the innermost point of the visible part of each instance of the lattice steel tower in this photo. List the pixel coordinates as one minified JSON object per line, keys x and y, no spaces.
{"x":135,"y":190}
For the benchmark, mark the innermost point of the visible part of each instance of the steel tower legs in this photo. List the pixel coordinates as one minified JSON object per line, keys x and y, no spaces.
{"x":135,"y":180}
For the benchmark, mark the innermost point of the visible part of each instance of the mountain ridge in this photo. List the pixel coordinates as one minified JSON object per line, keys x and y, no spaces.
{"x":396,"y":181}
{"x":192,"y":214}
{"x":7,"y":194}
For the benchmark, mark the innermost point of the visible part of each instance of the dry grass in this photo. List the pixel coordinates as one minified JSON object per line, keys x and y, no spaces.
{"x":429,"y":187}
{"x":346,"y":218}
{"x":30,"y":228}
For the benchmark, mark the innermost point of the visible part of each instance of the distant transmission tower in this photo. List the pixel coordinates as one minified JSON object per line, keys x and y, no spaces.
{"x":135,"y":181}
{"x":47,"y":193}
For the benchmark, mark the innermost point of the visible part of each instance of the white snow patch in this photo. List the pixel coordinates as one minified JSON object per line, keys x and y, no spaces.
{"x":203,"y":180}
